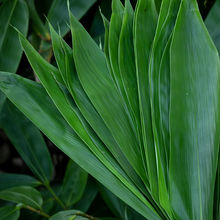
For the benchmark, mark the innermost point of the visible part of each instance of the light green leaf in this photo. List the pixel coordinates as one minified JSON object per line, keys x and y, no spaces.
{"x":8,"y":180}
{"x":166,"y":22}
{"x":194,"y":116}
{"x":127,"y":72}
{"x":28,"y":141}
{"x":23,"y":194}
{"x":13,"y":13}
{"x":9,"y":213}
{"x":74,"y":184}
{"x":113,"y":42}
{"x":145,"y":16}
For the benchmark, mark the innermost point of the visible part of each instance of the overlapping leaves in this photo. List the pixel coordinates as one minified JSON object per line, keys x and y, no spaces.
{"x":142,"y":117}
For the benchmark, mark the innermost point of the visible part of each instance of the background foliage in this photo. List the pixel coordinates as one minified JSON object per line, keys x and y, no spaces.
{"x":36,"y":179}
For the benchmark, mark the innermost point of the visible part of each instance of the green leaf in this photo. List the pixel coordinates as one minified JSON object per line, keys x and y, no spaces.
{"x":9,"y":213}
{"x":194,"y":116}
{"x":93,"y":73}
{"x":8,"y":180}
{"x":118,"y":207}
{"x":13,"y":13}
{"x":127,"y":72}
{"x":113,"y":43}
{"x":68,"y":71}
{"x":58,"y":13}
{"x":88,"y":197}
{"x":67,"y":215}
{"x":145,"y":16}
{"x":23,"y":194}
{"x":74,"y":184}
{"x":213,"y":23}
{"x":28,"y":141}
{"x":34,"y":99}
{"x":71,"y":114}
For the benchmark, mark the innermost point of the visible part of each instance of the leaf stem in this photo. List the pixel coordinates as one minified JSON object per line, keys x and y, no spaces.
{"x":86,"y":216}
{"x":39,"y":212}
{"x":55,"y":196}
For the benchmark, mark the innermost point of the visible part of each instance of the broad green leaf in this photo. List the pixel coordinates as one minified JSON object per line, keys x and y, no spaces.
{"x":194,"y":116}
{"x":88,"y":197}
{"x":13,"y":13}
{"x":96,"y":80}
{"x":23,"y":194}
{"x":34,"y":102}
{"x":67,"y":215}
{"x":213,"y":24}
{"x":145,"y":16}
{"x":68,"y":71}
{"x":71,"y":114}
{"x":9,"y":213}
{"x":28,"y":141}
{"x":58,"y":13}
{"x":74,"y":184}
{"x":8,"y":180}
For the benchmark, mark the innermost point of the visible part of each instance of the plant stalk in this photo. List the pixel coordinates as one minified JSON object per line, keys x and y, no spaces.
{"x":39,"y":212}
{"x":55,"y":196}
